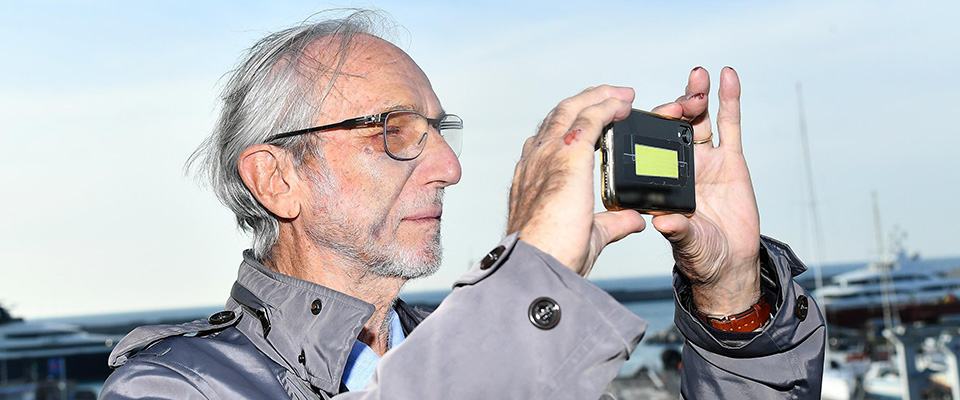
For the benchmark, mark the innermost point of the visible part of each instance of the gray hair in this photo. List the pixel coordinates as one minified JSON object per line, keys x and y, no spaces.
{"x":274,"y":89}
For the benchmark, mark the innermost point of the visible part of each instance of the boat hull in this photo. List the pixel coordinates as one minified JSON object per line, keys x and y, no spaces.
{"x":857,"y":317}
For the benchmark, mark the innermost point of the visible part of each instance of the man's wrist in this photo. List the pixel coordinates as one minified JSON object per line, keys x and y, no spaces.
{"x":738,"y":290}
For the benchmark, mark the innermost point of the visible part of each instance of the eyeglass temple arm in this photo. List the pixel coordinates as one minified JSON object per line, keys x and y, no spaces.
{"x":350,"y":123}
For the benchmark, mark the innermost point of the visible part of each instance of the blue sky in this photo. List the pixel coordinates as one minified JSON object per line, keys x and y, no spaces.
{"x":102,"y":102}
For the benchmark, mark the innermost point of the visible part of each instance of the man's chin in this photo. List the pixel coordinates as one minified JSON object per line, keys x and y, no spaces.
{"x":410,"y":262}
{"x":406,"y":269}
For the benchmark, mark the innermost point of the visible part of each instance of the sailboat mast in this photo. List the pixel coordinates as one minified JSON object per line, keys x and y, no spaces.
{"x":814,"y":216}
{"x":889,"y":318}
{"x":877,"y":228}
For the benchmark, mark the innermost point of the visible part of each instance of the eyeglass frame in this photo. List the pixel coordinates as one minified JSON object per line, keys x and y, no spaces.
{"x":370,"y":120}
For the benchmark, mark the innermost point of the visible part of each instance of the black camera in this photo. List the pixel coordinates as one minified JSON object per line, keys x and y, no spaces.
{"x":647,"y":165}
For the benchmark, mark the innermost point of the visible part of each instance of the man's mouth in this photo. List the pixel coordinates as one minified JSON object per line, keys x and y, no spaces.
{"x":424,"y":216}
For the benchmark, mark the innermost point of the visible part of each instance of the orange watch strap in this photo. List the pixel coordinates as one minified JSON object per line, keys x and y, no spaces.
{"x":747,"y":321}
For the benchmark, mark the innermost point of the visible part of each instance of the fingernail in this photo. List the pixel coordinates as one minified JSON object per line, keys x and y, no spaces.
{"x":698,"y":96}
{"x":697,"y":69}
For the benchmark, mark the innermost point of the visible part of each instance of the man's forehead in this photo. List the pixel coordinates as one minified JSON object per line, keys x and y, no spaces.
{"x":361,"y":50}
{"x":377,"y":77}
{"x":366,"y":95}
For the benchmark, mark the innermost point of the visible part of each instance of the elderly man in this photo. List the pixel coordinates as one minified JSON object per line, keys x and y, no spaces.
{"x":333,"y":151}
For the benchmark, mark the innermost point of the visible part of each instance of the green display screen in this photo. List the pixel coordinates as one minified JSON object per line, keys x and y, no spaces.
{"x":655,"y":161}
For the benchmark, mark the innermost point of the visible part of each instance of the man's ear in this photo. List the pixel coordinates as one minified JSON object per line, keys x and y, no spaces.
{"x":270,"y":176}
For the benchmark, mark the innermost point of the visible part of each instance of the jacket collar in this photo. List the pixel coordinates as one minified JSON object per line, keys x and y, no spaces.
{"x":305,"y":327}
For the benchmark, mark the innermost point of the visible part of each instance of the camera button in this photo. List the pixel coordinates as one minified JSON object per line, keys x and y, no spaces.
{"x":685,"y":136}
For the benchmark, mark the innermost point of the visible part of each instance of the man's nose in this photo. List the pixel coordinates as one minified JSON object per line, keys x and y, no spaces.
{"x":438,"y":161}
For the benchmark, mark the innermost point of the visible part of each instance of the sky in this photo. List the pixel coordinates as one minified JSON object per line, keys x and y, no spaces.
{"x":101,"y":103}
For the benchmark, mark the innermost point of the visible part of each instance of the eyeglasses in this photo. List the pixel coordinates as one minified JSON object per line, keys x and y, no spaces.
{"x":404,"y":132}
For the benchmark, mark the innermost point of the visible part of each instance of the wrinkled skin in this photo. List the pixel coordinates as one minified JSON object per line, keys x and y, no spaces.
{"x":551,"y":201}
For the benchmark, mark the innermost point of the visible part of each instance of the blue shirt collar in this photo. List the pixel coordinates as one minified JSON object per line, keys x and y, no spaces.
{"x":363,"y":361}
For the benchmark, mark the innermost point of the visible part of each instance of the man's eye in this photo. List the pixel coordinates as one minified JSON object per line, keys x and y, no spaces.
{"x":392,"y":130}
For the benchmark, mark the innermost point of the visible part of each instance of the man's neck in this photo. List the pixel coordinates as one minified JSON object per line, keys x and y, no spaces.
{"x":330,"y":269}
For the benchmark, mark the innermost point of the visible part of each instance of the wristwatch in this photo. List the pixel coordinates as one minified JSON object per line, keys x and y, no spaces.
{"x":747,"y":321}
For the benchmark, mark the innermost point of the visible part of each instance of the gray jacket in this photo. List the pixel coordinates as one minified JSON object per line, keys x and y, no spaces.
{"x":517,"y":325}
{"x":783,"y":361}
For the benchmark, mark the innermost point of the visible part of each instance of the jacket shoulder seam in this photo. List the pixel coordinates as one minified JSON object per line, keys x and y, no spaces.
{"x":188,"y":374}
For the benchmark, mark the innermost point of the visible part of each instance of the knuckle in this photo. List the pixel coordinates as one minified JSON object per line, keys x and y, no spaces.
{"x":565,"y":105}
{"x":527,"y":146}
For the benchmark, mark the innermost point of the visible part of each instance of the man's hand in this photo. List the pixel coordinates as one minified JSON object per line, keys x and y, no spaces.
{"x":551,"y":200}
{"x":718,"y":247}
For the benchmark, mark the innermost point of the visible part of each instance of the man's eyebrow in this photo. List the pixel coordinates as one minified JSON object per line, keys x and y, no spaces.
{"x":396,"y":106}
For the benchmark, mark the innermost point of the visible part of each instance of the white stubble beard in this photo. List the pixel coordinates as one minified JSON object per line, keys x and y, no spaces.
{"x":335,"y":230}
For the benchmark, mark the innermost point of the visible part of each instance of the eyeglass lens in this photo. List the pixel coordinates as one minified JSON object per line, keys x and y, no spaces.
{"x":405,"y":133}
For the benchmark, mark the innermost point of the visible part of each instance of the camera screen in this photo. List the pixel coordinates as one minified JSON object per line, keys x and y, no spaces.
{"x":656,"y":161}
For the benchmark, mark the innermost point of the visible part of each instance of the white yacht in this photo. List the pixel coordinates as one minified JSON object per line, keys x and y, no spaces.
{"x":910,"y":292}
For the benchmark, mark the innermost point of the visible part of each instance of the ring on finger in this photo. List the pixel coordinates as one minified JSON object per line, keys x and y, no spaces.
{"x":707,"y":140}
